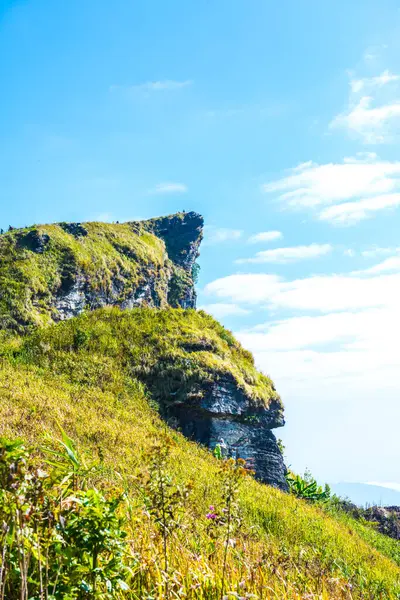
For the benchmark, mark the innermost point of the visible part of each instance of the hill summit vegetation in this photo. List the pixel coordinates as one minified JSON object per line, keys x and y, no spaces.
{"x":53,"y":272}
{"x":102,"y":496}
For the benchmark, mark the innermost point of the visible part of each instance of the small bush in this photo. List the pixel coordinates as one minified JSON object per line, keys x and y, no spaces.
{"x":306,"y":487}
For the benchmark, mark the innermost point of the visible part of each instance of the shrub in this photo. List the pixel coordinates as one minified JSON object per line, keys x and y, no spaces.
{"x":58,"y":539}
{"x":306,"y":487}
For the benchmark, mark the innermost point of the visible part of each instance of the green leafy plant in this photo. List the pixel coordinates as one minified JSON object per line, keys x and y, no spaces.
{"x":217,"y":452}
{"x":306,"y":487}
{"x":58,"y":539}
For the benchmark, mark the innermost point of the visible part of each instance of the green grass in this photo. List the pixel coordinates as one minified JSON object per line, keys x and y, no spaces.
{"x":174,"y":351}
{"x":98,"y":376}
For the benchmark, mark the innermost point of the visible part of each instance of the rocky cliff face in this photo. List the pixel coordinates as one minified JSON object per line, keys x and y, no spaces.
{"x":226,"y":416}
{"x":204,"y":382}
{"x":54,"y":272}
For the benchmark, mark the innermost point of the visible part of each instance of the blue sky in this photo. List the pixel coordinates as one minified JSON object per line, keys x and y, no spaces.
{"x":264,"y":117}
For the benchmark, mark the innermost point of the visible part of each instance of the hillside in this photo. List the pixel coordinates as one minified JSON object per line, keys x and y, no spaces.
{"x":137,"y":390}
{"x":75,"y":373}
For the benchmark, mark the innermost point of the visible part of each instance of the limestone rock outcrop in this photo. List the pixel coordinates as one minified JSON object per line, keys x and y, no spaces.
{"x":54,"y":272}
{"x":226,"y":416}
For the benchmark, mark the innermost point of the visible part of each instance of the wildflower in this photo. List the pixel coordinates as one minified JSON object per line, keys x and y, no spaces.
{"x":212,"y":514}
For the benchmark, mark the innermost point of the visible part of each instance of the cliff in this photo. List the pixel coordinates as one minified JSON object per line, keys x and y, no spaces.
{"x":54,"y":272}
{"x":204,"y":383}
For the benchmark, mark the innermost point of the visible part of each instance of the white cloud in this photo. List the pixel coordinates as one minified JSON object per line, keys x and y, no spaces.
{"x":389,"y":264}
{"x":330,"y":343}
{"x":359,"y":346}
{"x":352,"y":212}
{"x":351,"y":372}
{"x":356,"y":188}
{"x":373,"y":111}
{"x":349,"y":252}
{"x":217,"y":235}
{"x":377,"y":251}
{"x":169,"y":187}
{"x":265,"y":236}
{"x":320,"y":293}
{"x":351,"y":330}
{"x":347,"y":328}
{"x":220,"y":309}
{"x":164,"y":85}
{"x":372,"y":123}
{"x":289,"y":254}
{"x":357,"y":85}
{"x":311,"y":184}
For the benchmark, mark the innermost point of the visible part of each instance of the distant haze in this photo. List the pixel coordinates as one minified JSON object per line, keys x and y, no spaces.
{"x":363,"y":493}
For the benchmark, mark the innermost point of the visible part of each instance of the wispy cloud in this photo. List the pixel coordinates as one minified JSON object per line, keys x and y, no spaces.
{"x":217,"y":235}
{"x":169,"y":187}
{"x":386,"y":266}
{"x":321,"y":293}
{"x":391,"y":485}
{"x":165,"y":85}
{"x":352,"y":212}
{"x":356,"y":188}
{"x":373,"y":54}
{"x":349,"y":252}
{"x":361,"y":344}
{"x":368,"y":83}
{"x":377,"y":251}
{"x":265,"y":236}
{"x":288,"y":255}
{"x":373,"y":111}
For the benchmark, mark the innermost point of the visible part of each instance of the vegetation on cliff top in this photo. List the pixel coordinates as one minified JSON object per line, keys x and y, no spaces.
{"x":89,"y":375}
{"x":42,"y":263}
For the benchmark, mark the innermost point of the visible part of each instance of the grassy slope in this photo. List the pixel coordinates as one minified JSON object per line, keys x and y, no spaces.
{"x":82,"y":373}
{"x":29,"y":280}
